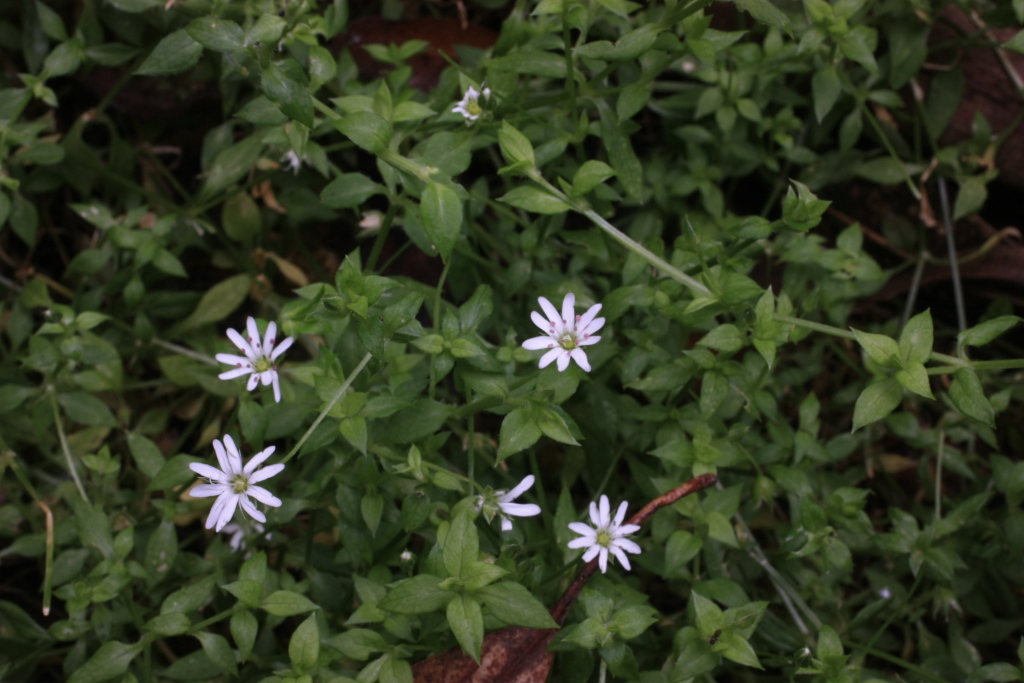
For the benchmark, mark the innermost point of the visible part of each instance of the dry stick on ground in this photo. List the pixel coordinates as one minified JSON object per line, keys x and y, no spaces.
{"x":520,"y":655}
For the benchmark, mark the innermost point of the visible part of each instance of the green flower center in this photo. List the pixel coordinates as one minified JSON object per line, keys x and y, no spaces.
{"x":474,"y":108}
{"x":604,"y":539}
{"x":263,"y":364}
{"x":568,"y":341}
{"x":240,"y":483}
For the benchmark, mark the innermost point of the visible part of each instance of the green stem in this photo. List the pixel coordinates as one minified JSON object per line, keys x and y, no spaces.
{"x":878,"y":634}
{"x":330,"y":404}
{"x":469,"y":450}
{"x":492,"y":401}
{"x":64,"y":445}
{"x":196,"y":628}
{"x":437,"y":314}
{"x":184,"y":351}
{"x":382,"y":234}
{"x":938,"y":474}
{"x":892,"y":659}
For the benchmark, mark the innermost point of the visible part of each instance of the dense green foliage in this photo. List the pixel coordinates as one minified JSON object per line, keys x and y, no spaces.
{"x":235,"y":163}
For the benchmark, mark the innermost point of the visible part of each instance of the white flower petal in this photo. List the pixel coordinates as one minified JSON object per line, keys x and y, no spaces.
{"x":254,"y":335}
{"x":569,"y":309}
{"x":266,"y":473}
{"x":277,"y":389}
{"x":218,"y":506}
{"x":239,"y":341}
{"x":234,"y":457}
{"x":622,"y":557}
{"x":588,"y":316}
{"x":520,"y":509}
{"x":582,"y":542}
{"x":264,"y":496}
{"x":541,"y":322}
{"x":285,"y":344}
{"x":550,"y":356}
{"x":587,"y":341}
{"x":232,"y":374}
{"x":222,"y":458}
{"x":620,"y":516}
{"x":506,"y":524}
{"x":208,"y":490}
{"x":595,"y":516}
{"x":538,"y":343}
{"x":563,"y":360}
{"x":593,"y":327}
{"x":269,"y":337}
{"x":549,"y":310}
{"x":605,"y":509}
{"x":581,"y":528}
{"x":254,"y":381}
{"x":228,"y":511}
{"x":268,"y":376}
{"x":627,"y":529}
{"x":211,"y":473}
{"x":258,"y":459}
{"x":627,"y":545}
{"x":520,"y":488}
{"x":580,"y":356}
{"x":232,"y":359}
{"x":603,"y":560}
{"x":250,"y":509}
{"x":592,"y":553}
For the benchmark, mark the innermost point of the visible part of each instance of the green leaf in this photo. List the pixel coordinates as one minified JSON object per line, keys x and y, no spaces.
{"x":219,"y":651}
{"x":322,"y":67}
{"x":535,"y":200}
{"x":738,"y":650}
{"x":515,"y":147}
{"x":177,"y":52}
{"x":87,"y":409}
{"x":767,"y":13}
{"x":999,"y":672}
{"x":349,"y":190}
{"x":519,"y":430}
{"x":110,"y":661}
{"x":285,"y":83}
{"x":417,"y":595}
{"x":620,"y":152}
{"x":590,"y":175}
{"x":801,"y":209}
{"x":218,"y":34}
{"x":477,"y":574}
{"x":883,"y":170}
{"x":969,"y":398}
{"x":826,"y":87}
{"x":241,"y":217}
{"x":372,"y":507}
{"x":161,"y":550}
{"x":172,"y":624}
{"x":51,"y":23}
{"x":359,"y":643}
{"x":695,"y":659}
{"x":441,"y":212}
{"x":917,"y":338}
{"x":219,"y":302}
{"x":248,"y":592}
{"x":971,"y":197}
{"x":515,"y":605}
{"x":1016,"y":43}
{"x":882,"y":349}
{"x":24,"y":219}
{"x":231,"y":164}
{"x":461,"y":544}
{"x":709,"y":615}
{"x":369,"y":131}
{"x":553,"y":425}
{"x":304,"y":647}
{"x":287,"y":604}
{"x":726,"y":338}
{"x":189,"y":598}
{"x":467,"y":623}
{"x":244,"y":628}
{"x":914,"y":377}
{"x":983,"y":333}
{"x":876,"y":401}
{"x":174,"y":472}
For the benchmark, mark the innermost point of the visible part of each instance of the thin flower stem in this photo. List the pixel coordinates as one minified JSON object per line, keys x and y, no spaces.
{"x":184,"y":351}
{"x":471,"y":442}
{"x":382,"y":234}
{"x":954,"y":268}
{"x":64,"y":445}
{"x":9,"y":460}
{"x":437,"y":314}
{"x":196,"y":628}
{"x":330,"y":404}
{"x":938,"y":473}
{"x":857,"y":657}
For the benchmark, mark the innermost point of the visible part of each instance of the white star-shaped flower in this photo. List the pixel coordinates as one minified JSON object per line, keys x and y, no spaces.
{"x":470,"y":107}
{"x":233,"y":484}
{"x":237,"y":533}
{"x":565,"y":334}
{"x":292,"y":161}
{"x":607,"y":535}
{"x":259,"y":361}
{"x":500,"y":503}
